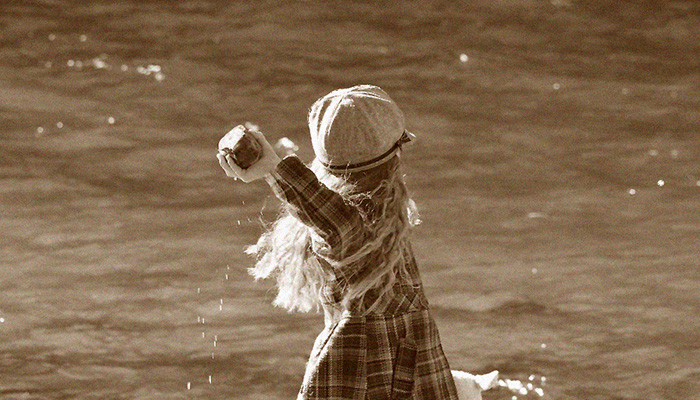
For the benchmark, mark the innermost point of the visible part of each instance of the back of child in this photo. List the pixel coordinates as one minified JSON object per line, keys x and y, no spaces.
{"x":342,"y":245}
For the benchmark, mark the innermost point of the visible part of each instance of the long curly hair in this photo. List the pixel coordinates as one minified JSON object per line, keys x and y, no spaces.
{"x":304,"y":277}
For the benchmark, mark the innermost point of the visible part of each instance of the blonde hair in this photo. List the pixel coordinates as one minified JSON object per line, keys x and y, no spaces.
{"x":304,"y":278}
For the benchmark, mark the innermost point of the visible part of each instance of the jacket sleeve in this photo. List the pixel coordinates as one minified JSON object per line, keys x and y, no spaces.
{"x":340,"y":224}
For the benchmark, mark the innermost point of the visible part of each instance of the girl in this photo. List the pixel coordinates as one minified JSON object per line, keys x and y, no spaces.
{"x":341,"y":244}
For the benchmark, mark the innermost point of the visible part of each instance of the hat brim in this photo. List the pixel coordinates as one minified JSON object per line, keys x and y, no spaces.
{"x":406,"y":137}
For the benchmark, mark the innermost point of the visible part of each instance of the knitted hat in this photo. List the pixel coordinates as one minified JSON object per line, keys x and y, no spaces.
{"x":357,"y":128}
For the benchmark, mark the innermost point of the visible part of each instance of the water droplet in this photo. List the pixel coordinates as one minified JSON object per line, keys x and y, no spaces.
{"x":221,"y":301}
{"x":534,"y":271}
{"x":543,"y":345}
{"x":199,"y":290}
{"x":226,"y":276}
{"x":660,"y":182}
{"x":110,"y":120}
{"x":531,"y":377}
{"x":189,"y":385}
{"x":653,"y":153}
{"x":98,"y":63}
{"x":83,"y":38}
{"x":539,"y":391}
{"x":48,"y":64}
{"x":52,"y":37}
{"x":625,"y":91}
{"x":632,"y":192}
{"x":522,"y":391}
{"x":212,"y":356}
{"x":697,"y":183}
{"x":210,"y":379}
{"x":556,"y":86}
{"x":674,"y":153}
{"x":221,"y":308}
{"x":239,"y":222}
{"x":40,"y":130}
{"x":214,"y":344}
{"x":2,"y":320}
{"x":78,"y":64}
{"x":543,"y":379}
{"x":216,"y":338}
{"x":70,"y":63}
{"x":159,"y":77}
{"x":59,"y":125}
{"x":203,"y":335}
{"x":124,"y":68}
{"x":529,"y":386}
{"x":514,"y":398}
{"x":463,"y":58}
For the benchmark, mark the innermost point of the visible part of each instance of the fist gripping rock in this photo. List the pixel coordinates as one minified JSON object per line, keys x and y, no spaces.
{"x":242,"y":146}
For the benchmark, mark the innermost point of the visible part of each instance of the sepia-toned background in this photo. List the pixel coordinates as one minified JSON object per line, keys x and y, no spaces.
{"x":556,"y":168}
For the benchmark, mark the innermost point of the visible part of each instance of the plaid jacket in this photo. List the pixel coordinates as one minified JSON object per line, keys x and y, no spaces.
{"x":391,"y":353}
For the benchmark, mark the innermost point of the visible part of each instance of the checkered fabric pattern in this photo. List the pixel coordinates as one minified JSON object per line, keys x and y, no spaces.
{"x":392,"y":353}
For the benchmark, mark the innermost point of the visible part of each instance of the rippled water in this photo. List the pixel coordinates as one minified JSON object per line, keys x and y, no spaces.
{"x":557,"y":170}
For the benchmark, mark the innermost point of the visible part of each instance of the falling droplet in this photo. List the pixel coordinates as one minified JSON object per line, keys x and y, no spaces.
{"x":653,"y":153}
{"x":632,"y":192}
{"x":544,"y":346}
{"x":70,"y":63}
{"x":463,"y":58}
{"x":203,"y":335}
{"x":199,"y":290}
{"x":52,"y":37}
{"x":110,"y":120}
{"x":534,"y":271}
{"x":189,"y":385}
{"x":59,"y":125}
{"x":48,"y":64}
{"x":2,"y":320}
{"x":660,"y":182}
{"x":40,"y":130}
{"x":556,"y":86}
{"x":83,"y":38}
{"x":210,"y":379}
{"x":226,"y":276}
{"x":539,"y":392}
{"x":124,"y":67}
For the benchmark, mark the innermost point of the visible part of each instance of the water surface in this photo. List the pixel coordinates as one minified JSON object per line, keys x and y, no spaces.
{"x":556,"y":169}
